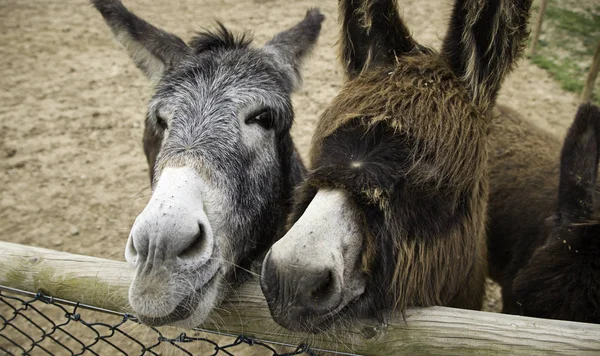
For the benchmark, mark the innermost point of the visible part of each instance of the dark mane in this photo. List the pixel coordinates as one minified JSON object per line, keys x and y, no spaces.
{"x":220,"y":38}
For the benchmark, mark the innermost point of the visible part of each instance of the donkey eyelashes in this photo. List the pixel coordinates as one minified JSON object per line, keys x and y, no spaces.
{"x":263,"y":117}
{"x":161,"y":116}
{"x":162,"y":123}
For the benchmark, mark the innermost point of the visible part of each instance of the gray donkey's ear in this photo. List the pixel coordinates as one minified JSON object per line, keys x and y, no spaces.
{"x":152,"y":50}
{"x":291,"y":46}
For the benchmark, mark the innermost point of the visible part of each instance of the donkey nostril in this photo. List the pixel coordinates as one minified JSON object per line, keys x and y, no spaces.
{"x":131,"y":248}
{"x":322,"y":291}
{"x":196,"y":246}
{"x":134,"y":248}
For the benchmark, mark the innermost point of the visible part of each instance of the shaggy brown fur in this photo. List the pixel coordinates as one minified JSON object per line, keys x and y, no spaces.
{"x":369,"y":26}
{"x":419,"y":97}
{"x":441,"y":140}
{"x":406,"y":140}
{"x":485,"y":38}
{"x":545,"y":247}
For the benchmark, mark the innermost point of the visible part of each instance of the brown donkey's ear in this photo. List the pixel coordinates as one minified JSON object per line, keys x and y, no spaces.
{"x":372,"y":34}
{"x":483,"y":43}
{"x":152,"y":50}
{"x":579,"y":164}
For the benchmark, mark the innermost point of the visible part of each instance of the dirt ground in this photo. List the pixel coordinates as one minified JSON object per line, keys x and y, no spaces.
{"x":73,"y":175}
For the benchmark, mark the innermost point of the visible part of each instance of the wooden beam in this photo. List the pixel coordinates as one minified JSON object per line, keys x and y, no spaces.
{"x":586,"y":95}
{"x":535,"y":35}
{"x":89,"y":280}
{"x":429,"y":331}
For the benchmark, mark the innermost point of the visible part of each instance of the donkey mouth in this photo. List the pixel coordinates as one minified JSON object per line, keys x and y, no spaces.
{"x":186,"y":307}
{"x":307,"y":322}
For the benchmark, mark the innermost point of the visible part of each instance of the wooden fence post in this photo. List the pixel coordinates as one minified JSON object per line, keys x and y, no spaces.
{"x":591,"y":78}
{"x":538,"y":27}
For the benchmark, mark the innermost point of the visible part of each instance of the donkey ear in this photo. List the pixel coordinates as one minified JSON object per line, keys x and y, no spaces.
{"x":291,"y":46}
{"x":372,"y":34}
{"x":579,"y":164}
{"x":153,"y":50}
{"x":483,"y":43}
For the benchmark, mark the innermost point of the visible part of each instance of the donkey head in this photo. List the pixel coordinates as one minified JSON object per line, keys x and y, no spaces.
{"x":562,"y":278}
{"x":393,"y":211}
{"x":221,"y":157}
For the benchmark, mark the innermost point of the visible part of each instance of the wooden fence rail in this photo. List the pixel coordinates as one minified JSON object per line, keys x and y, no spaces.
{"x":430,"y":331}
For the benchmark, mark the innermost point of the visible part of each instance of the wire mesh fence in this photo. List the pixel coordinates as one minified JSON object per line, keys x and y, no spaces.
{"x":37,"y":324}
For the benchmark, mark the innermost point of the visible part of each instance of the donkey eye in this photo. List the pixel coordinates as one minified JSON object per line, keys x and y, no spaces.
{"x":264,"y":118}
{"x":162,"y":123}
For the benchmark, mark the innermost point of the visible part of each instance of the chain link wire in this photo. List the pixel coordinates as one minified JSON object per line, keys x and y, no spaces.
{"x":37,"y":324}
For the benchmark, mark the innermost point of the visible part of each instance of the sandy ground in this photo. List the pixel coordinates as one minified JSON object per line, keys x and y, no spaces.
{"x":73,"y":176}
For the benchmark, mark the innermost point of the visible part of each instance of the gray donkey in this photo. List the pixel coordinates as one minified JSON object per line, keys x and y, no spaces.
{"x":222,"y":161}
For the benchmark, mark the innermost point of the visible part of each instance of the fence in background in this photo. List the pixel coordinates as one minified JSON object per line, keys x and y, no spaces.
{"x":103,"y":284}
{"x":590,"y":82}
{"x":537,"y":28}
{"x":588,"y":89}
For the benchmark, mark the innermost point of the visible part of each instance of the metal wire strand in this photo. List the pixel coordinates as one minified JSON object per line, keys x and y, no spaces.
{"x":26,"y":327}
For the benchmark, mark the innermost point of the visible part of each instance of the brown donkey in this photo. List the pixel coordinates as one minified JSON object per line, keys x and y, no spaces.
{"x":393,"y":211}
{"x":545,"y":247}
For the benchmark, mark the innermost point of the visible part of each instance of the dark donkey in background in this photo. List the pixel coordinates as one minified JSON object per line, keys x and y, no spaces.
{"x":544,"y":232}
{"x":393,"y":211}
{"x":222,"y":160}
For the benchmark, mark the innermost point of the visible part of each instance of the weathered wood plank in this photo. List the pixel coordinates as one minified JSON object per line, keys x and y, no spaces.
{"x":430,"y":331}
{"x":89,"y":280}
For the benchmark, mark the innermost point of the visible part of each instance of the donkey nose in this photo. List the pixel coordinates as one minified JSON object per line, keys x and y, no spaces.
{"x":314,"y":291}
{"x":173,"y":230}
{"x":158,"y":237}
